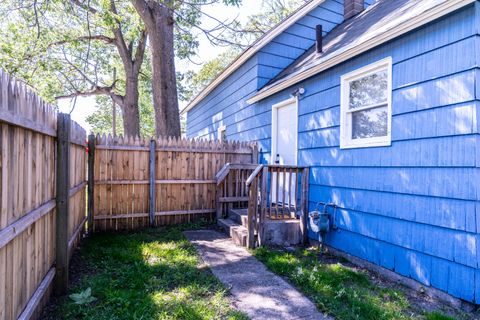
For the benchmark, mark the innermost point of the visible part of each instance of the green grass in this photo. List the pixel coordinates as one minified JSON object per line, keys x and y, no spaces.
{"x":340,"y":291}
{"x":153,"y":274}
{"x":437,"y":316}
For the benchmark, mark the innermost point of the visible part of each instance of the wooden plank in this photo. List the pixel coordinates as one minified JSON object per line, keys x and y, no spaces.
{"x":122,"y":216}
{"x":290,"y":180}
{"x":230,"y":193}
{"x":147,"y":182}
{"x":158,"y":214}
{"x":245,"y":166}
{"x":252,"y":203}
{"x":255,"y":154}
{"x":185,"y":212}
{"x":206,"y":150}
{"x":62,"y":237}
{"x":76,"y":233}
{"x":16,"y":228}
{"x":77,"y":141}
{"x":91,"y":179}
{"x":25,"y":123}
{"x":277,"y":185}
{"x":232,"y":199}
{"x":152,"y":183}
{"x":174,"y":149}
{"x":123,"y":148}
{"x":304,"y":204}
{"x":73,"y":191}
{"x":296,"y":186}
{"x":263,"y":205}
{"x":252,"y":176}
{"x":218,"y":204}
{"x":38,"y":296}
{"x":222,"y":174}
{"x":284,"y":181}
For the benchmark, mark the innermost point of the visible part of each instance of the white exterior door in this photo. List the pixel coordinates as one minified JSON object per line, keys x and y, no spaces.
{"x":284,"y":146}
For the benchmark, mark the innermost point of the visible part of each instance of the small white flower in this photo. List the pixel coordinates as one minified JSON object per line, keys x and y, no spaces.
{"x":299,"y":271}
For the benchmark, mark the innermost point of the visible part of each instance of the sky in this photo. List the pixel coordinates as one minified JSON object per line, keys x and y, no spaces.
{"x":206,"y":52}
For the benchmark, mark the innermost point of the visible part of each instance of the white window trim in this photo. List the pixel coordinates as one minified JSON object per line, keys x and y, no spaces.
{"x":220,"y":131}
{"x":275,"y":108}
{"x":346,"y":142}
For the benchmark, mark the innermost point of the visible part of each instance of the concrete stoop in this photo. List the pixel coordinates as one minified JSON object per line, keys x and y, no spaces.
{"x":276,"y":232}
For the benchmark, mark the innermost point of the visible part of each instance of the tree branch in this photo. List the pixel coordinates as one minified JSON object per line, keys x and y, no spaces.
{"x":97,"y":91}
{"x":123,"y":51}
{"x":140,"y":53}
{"x":94,"y":92}
{"x":84,"y":6}
{"x":99,"y":37}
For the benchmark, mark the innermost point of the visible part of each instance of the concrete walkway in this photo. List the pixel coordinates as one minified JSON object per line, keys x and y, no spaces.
{"x":255,"y":291}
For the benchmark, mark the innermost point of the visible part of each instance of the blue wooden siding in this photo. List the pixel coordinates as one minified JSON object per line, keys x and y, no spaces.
{"x":413,"y":207}
{"x":292,"y":43}
{"x":220,"y":106}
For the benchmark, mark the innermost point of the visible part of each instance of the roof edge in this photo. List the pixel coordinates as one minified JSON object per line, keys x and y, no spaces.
{"x":247,"y":54}
{"x":423,"y":19}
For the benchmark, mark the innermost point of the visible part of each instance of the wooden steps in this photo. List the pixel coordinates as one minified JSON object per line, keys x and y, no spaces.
{"x":235,"y":226}
{"x":237,"y":232}
{"x":240,"y":216}
{"x":276,"y":232}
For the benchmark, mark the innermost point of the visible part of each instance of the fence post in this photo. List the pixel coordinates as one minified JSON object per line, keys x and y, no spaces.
{"x":263,"y":205}
{"x":62,"y":199}
{"x":91,"y":181}
{"x":153,"y":147}
{"x":304,"y":204}
{"x":252,"y":216}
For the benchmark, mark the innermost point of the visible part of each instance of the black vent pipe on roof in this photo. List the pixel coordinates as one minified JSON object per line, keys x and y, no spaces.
{"x":319,"y":38}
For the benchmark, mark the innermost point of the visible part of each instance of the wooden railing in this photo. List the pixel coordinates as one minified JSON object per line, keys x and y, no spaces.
{"x":276,"y":192}
{"x":232,"y":191}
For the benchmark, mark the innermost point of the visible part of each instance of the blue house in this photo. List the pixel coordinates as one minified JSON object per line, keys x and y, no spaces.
{"x":380,"y":99}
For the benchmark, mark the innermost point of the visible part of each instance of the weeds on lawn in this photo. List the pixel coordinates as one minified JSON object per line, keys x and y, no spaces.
{"x":152,"y":274}
{"x":338,"y":290}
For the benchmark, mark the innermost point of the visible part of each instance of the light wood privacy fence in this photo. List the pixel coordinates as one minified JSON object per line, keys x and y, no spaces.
{"x":29,"y":242}
{"x":141,"y":183}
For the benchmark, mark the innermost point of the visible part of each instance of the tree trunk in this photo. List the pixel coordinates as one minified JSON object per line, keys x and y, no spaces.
{"x":130,"y":113}
{"x":128,"y":103}
{"x":159,"y":21}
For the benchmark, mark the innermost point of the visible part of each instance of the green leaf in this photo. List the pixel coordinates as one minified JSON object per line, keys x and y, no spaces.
{"x":83,"y":297}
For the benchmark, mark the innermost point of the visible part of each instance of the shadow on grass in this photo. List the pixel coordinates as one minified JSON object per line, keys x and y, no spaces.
{"x":152,"y":274}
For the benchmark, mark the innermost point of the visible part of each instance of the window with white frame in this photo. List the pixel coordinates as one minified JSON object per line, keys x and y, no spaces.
{"x":222,"y":134}
{"x":366,"y":107}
